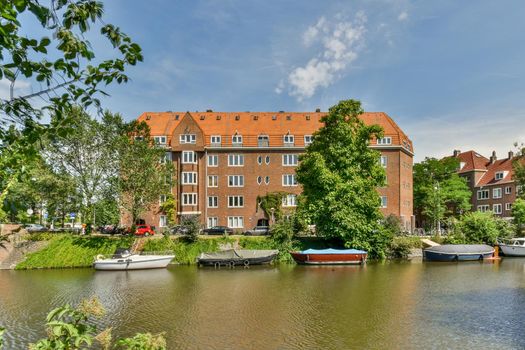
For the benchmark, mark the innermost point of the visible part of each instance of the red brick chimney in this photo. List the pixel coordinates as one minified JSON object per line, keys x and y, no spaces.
{"x":493,"y":157}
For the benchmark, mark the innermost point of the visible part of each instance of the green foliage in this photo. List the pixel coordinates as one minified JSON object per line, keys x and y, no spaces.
{"x":272,"y":200}
{"x":401,"y":247}
{"x":439,"y":192}
{"x":518,"y":214}
{"x":392,"y":224}
{"x":72,"y":251}
{"x":143,"y":341}
{"x":477,"y":228}
{"x":45,"y":43}
{"x":193,"y":225}
{"x":2,"y":331}
{"x":518,"y":167}
{"x":340,"y":175}
{"x":169,"y":207}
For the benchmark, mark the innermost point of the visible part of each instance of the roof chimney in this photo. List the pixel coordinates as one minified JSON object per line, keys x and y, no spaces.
{"x":511,"y":154}
{"x":456,"y":152}
{"x":209,"y":110}
{"x":493,"y":157}
{"x":317,"y":110}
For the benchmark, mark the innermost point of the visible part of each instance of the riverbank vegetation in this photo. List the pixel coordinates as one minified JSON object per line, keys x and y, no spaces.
{"x":74,"y":328}
{"x":71,"y":251}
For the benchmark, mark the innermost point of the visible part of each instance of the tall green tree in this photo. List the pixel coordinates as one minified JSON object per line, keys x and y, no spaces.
{"x":59,"y":64}
{"x":144,"y":171}
{"x":518,"y":215}
{"x":518,"y":165}
{"x":340,"y":175}
{"x":439,"y":192}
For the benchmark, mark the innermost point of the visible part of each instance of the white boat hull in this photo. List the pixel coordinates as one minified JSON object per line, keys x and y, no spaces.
{"x":512,"y":250}
{"x":134,"y":262}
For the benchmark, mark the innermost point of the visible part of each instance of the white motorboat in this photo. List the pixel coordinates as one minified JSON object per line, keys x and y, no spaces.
{"x":513,"y":246}
{"x":123,"y":259}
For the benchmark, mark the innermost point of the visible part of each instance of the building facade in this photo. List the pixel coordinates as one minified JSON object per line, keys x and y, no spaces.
{"x":490,"y":180}
{"x":224,"y":161}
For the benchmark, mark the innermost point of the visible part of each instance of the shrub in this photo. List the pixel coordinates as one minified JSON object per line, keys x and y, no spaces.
{"x":193,"y":225}
{"x":478,"y":227}
{"x":401,"y":246}
{"x":392,"y":224}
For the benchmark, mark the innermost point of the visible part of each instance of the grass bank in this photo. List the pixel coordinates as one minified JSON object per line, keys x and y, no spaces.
{"x":71,"y":251}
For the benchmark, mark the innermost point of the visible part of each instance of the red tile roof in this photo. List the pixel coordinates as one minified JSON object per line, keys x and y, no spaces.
{"x":273,"y":124}
{"x":474,"y":161}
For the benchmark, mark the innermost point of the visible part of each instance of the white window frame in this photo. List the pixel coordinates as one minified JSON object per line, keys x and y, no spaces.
{"x":508,"y":190}
{"x":263,"y":141}
{"x":508,"y":206}
{"x":483,"y":208}
{"x":160,"y":140}
{"x":213,"y":160}
{"x":497,"y":193}
{"x":187,"y":139}
{"x":163,"y":221}
{"x":289,"y":180}
{"x":384,"y":202}
{"x":290,"y":159}
{"x":212,"y":181}
{"x":235,"y":180}
{"x":162,"y":199}
{"x":236,"y":140}
{"x":288,"y":140}
{"x":236,"y":221}
{"x":267,"y":160}
{"x":308,"y":139}
{"x":189,"y":157}
{"x":290,"y":200}
{"x":267,"y":180}
{"x":499,"y":175}
{"x":259,"y":180}
{"x":235,"y":201}
{"x":212,"y":221}
{"x":215,"y":140}
{"x":236,"y":159}
{"x":259,"y":160}
{"x":189,"y":198}
{"x":189,"y":178}
{"x":497,"y":208}
{"x":383,"y":160}
{"x":387,"y":140}
{"x":213,"y":201}
{"x":480,"y":195}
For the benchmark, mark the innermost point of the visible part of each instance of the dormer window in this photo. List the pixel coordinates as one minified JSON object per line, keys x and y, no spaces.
{"x":461,"y":165}
{"x":263,"y":141}
{"x":500,"y":175}
{"x":187,"y":138}
{"x":160,"y":140}
{"x":215,"y":140}
{"x":288,"y":140}
{"x":236,"y":140}
{"x":384,"y":141}
{"x":308,"y":139}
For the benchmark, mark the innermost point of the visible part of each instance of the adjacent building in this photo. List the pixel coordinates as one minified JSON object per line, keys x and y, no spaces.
{"x":490,"y":180}
{"x":225,"y":160}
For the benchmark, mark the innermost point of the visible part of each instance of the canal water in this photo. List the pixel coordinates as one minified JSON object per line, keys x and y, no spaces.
{"x":395,"y":305}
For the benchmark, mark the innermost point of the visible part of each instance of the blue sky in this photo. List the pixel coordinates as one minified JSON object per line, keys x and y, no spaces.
{"x":451,"y":73}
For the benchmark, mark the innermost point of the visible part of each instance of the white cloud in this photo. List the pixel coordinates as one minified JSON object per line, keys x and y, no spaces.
{"x":403,"y":16}
{"x":22,"y":87}
{"x":338,"y":42}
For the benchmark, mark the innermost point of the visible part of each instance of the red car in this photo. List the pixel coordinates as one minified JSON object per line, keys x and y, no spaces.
{"x":144,"y":230}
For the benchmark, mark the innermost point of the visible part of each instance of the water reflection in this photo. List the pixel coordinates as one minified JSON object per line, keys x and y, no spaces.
{"x":391,"y":305}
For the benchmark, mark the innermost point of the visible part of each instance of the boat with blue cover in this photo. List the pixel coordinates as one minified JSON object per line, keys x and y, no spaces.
{"x":330,"y":256}
{"x":458,"y":252}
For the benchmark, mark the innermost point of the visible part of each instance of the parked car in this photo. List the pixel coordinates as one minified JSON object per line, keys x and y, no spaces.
{"x":179,"y":230}
{"x":217,"y":230}
{"x":108,"y":229}
{"x":144,"y":230}
{"x":257,"y":231}
{"x":35,"y":228}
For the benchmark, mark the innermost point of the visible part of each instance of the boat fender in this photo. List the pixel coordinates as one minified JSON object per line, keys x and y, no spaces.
{"x":232,"y":264}
{"x":246,"y":263}
{"x":217,"y":265}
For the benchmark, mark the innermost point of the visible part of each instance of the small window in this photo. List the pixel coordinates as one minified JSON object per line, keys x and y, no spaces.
{"x":235,"y":180}
{"x":176,"y":117}
{"x":483,"y":208}
{"x":290,"y":159}
{"x":496,"y":193}
{"x":215,"y":140}
{"x":189,"y":178}
{"x":213,"y":160}
{"x":237,"y":117}
{"x":237,"y":140}
{"x":189,"y":157}
{"x":496,"y":208}
{"x":235,"y":221}
{"x":274,"y":117}
{"x":508,"y":206}
{"x":383,"y":161}
{"x":288,"y":117}
{"x":508,"y":190}
{"x":235,"y":201}
{"x":213,"y":202}
{"x":235,"y":159}
{"x":203,"y":117}
{"x":289,"y":180}
{"x":384,"y":141}
{"x":188,"y":138}
{"x":259,"y":160}
{"x":163,"y":221}
{"x":162,"y":199}
{"x":499,"y":175}
{"x":288,"y":140}
{"x":308,"y":139}
{"x":213,"y":221}
{"x":160,"y":140}
{"x":218,"y":117}
{"x":213,"y":181}
{"x":255,"y":117}
{"x":307,"y":117}
{"x":189,"y":199}
{"x":267,"y":160}
{"x":259,"y":180}
{"x":263,"y":141}
{"x":483,"y":194}
{"x":267,"y":180}
{"x":384,"y":201}
{"x":290,"y":200}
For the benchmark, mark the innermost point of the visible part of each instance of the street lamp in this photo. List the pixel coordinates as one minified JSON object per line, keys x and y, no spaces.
{"x":272,"y":210}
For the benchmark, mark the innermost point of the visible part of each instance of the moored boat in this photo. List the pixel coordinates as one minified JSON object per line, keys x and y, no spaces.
{"x":513,"y":246}
{"x":330,"y":256}
{"x":123,"y":259}
{"x":234,"y":257}
{"x":458,"y":252}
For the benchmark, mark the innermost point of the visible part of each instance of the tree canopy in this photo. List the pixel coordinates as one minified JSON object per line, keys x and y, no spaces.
{"x":340,"y":175}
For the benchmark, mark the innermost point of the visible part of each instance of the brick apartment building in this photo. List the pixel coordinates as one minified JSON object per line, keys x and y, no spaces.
{"x":224,"y":160}
{"x":490,"y":180}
